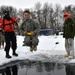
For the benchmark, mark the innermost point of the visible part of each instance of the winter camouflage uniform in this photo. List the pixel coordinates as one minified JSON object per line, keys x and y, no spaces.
{"x":68,"y":34}
{"x":30,"y":25}
{"x":1,"y":39}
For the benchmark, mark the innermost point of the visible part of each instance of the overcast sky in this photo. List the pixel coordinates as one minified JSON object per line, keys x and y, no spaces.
{"x":30,"y":3}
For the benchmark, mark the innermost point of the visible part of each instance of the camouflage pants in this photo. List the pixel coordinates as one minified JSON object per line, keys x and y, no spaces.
{"x":29,"y":41}
{"x":1,"y":39}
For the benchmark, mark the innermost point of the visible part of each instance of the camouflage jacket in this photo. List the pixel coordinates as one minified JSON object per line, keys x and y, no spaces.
{"x":30,"y":25}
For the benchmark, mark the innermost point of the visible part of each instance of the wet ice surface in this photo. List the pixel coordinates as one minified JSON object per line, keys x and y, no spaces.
{"x":28,"y":67}
{"x":38,"y":64}
{"x":33,"y":68}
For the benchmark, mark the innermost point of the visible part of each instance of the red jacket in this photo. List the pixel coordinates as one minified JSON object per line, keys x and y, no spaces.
{"x":0,"y":24}
{"x":7,"y":25}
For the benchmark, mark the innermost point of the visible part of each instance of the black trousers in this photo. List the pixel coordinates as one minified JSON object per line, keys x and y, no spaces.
{"x":10,"y":40}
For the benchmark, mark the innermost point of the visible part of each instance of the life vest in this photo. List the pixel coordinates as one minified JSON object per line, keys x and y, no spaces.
{"x":8,"y":25}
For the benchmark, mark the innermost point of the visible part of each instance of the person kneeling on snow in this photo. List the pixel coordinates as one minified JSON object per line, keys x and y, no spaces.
{"x":30,"y":29}
{"x":68,"y":34}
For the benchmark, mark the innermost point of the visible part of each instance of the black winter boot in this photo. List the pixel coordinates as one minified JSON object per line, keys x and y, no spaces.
{"x":14,"y":53}
{"x":7,"y":55}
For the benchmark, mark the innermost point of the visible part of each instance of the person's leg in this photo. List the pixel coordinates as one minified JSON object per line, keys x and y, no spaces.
{"x":7,"y":46}
{"x":2,"y":39}
{"x":67,"y":47}
{"x":15,"y":70}
{"x":24,"y":42}
{"x":14,"y":43}
{"x":28,"y":42}
{"x":31,"y":45}
{"x":71,"y":46}
{"x":35,"y":42}
{"x":8,"y":71}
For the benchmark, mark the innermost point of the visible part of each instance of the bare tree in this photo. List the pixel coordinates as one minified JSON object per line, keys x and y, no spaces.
{"x":38,"y":11}
{"x":20,"y":15}
{"x":51,"y":17}
{"x":45,"y":14}
{"x":58,"y":16}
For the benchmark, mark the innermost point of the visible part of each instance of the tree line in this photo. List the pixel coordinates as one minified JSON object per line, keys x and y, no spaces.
{"x":47,"y":15}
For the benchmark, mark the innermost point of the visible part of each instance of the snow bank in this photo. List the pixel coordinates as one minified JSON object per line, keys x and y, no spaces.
{"x":48,"y":51}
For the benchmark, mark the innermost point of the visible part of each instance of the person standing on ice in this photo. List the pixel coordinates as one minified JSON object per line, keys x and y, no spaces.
{"x":9,"y":34}
{"x":68,"y":34}
{"x":30,"y":29}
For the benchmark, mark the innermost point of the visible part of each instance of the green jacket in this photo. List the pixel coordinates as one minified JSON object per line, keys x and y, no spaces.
{"x":69,"y":28}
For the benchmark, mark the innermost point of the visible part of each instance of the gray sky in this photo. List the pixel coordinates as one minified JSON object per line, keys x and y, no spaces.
{"x":30,"y":3}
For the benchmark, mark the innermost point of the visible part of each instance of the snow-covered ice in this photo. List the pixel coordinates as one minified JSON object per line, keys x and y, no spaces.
{"x":48,"y":51}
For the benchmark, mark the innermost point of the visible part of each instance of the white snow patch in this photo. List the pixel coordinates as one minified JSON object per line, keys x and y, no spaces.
{"x":47,"y":50}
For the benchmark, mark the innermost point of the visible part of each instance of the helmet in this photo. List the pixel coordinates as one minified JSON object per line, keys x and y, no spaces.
{"x":6,"y":13}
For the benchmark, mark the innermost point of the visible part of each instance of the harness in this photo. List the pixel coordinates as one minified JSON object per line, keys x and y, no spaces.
{"x":8,"y":23}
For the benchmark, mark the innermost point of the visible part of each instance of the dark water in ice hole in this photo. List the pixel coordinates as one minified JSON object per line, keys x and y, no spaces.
{"x":37,"y":68}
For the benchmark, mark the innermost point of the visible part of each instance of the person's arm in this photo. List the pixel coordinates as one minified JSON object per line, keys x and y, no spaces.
{"x":1,"y":24}
{"x":15,"y":19}
{"x":23,"y":29}
{"x":37,"y":28}
{"x":73,"y":26}
{"x":64,"y":29}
